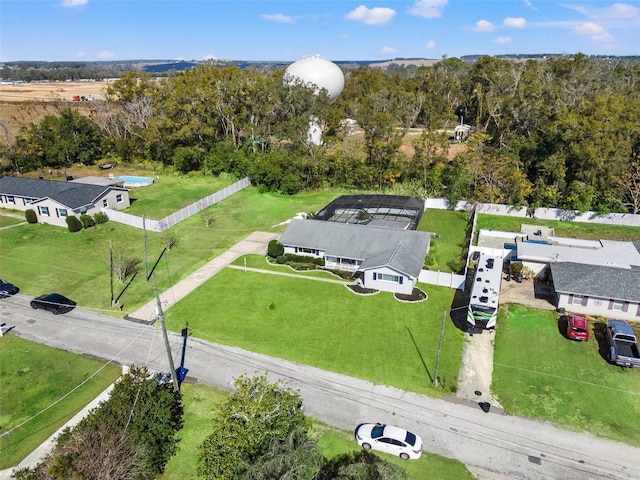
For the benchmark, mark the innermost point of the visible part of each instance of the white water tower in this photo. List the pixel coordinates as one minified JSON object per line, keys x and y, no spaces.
{"x":315,"y":70}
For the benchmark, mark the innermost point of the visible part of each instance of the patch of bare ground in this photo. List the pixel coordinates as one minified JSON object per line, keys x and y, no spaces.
{"x":416,"y":295}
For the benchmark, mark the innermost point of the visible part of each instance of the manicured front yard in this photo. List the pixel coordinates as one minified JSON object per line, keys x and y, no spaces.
{"x":541,"y":374}
{"x":376,"y":338}
{"x":42,"y":388}
{"x":38,"y":257}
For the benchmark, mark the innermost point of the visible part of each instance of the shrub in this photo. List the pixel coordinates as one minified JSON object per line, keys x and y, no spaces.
{"x":275,"y":249}
{"x":100,"y":217}
{"x":31,"y":216}
{"x":73,"y":224}
{"x":87,"y":221}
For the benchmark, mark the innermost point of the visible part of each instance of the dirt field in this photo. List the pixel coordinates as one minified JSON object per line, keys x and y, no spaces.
{"x":53,"y":91}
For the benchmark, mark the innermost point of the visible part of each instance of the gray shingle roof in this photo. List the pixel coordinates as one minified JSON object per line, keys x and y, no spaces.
{"x":596,"y":280}
{"x":400,"y":258}
{"x":70,"y":194}
{"x":360,"y":242}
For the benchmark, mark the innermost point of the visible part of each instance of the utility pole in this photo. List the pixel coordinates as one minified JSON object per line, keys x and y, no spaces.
{"x":176,"y":387}
{"x":435,"y":374}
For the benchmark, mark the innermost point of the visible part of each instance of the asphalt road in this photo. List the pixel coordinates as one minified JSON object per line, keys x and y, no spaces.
{"x":510,"y":446}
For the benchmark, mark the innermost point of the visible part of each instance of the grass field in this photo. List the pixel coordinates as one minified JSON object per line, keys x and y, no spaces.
{"x":199,"y":401}
{"x":539,"y":373}
{"x":450,"y":228}
{"x":42,"y":388}
{"x":327,"y":326}
{"x":37,"y":257}
{"x":170,"y":193}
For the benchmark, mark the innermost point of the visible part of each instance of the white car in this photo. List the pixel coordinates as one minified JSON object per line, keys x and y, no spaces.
{"x":389,"y":439}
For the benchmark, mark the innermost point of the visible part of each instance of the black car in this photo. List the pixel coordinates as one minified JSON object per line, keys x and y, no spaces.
{"x":7,"y":289}
{"x":54,"y":303}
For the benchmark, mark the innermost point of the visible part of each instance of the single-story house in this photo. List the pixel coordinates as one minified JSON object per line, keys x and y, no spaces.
{"x":382,"y":258}
{"x":611,"y":292}
{"x":53,"y":200}
{"x":537,"y":254}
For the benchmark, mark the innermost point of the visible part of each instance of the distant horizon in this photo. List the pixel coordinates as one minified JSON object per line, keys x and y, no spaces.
{"x":383,"y":60}
{"x":338,"y":30}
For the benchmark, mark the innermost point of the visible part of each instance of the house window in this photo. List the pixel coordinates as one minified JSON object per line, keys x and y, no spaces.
{"x":105,"y":203}
{"x":11,"y":200}
{"x":44,"y":211}
{"x":618,"y":305}
{"x":312,"y":251}
{"x":385,"y":277}
{"x":119,"y":198}
{"x":577,"y":300}
{"x":62,"y":212}
{"x":348,"y":261}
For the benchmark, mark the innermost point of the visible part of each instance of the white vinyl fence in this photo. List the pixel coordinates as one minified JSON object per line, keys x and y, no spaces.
{"x":176,"y":217}
{"x":443,"y":279}
{"x":628,"y":219}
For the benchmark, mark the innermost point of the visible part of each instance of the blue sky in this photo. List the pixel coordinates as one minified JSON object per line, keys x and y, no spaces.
{"x":67,"y":30}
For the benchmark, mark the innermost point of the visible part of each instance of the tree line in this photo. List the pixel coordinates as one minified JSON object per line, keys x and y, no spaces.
{"x":559,"y":132}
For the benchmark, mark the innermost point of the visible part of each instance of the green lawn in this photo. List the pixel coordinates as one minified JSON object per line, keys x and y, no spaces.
{"x":170,"y":193}
{"x":199,"y":401}
{"x":37,"y":257}
{"x":450,"y":228}
{"x":539,"y":373}
{"x":34,"y":379}
{"x":587,"y":231}
{"x":327,"y":326}
{"x":8,"y":221}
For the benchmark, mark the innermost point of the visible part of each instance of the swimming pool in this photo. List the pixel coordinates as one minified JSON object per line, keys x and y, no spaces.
{"x":131,"y":181}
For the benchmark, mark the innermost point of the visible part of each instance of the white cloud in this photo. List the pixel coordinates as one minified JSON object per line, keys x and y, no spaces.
{"x":278,"y":17}
{"x":589,"y":29}
{"x":502,"y":40}
{"x":105,"y":55}
{"x":431,"y":44}
{"x":512,"y":22}
{"x":209,"y":57}
{"x":483,"y":26}
{"x":597,"y":33}
{"x":73,"y":3}
{"x":428,"y":8}
{"x":387,"y":50}
{"x":372,"y":16}
{"x":81,"y":54}
{"x":617,"y":11}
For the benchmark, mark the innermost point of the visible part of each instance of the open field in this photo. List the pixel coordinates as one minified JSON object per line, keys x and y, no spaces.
{"x":51,"y":91}
{"x":34,"y":377}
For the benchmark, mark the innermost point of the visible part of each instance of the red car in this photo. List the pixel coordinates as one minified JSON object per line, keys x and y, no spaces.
{"x":577,"y":327}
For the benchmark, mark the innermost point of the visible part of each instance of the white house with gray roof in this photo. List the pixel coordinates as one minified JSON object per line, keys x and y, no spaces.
{"x":611,"y":292}
{"x":53,"y":201}
{"x":382,"y":258}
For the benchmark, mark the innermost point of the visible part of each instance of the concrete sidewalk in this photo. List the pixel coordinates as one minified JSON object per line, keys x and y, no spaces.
{"x":35,"y":457}
{"x":254,"y":244}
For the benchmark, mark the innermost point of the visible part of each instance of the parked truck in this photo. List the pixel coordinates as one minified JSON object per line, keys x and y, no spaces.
{"x":623,"y":344}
